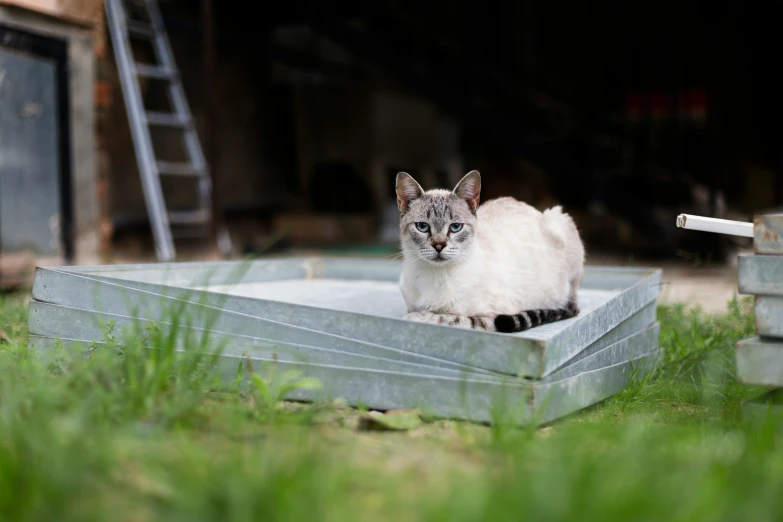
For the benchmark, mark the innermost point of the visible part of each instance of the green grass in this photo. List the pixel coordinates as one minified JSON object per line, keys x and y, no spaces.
{"x":134,"y":434}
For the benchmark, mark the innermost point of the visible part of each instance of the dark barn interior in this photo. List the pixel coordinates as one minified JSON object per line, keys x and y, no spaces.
{"x":627,"y":114}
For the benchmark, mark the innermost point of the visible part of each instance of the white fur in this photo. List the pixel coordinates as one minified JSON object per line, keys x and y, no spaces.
{"x":521,"y":259}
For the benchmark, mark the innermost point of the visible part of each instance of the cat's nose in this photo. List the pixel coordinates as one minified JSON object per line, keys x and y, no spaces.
{"x":439,"y":246}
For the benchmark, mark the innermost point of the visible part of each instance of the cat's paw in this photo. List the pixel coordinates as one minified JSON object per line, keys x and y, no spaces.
{"x":422,"y":317}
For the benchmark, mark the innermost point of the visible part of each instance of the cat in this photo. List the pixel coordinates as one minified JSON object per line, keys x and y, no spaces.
{"x":503,"y":266}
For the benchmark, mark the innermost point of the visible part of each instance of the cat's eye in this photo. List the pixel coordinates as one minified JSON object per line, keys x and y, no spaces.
{"x":421,"y":226}
{"x":455,"y":227}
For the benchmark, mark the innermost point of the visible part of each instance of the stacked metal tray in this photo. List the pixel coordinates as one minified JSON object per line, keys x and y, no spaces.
{"x":340,"y":320}
{"x":760,"y":359}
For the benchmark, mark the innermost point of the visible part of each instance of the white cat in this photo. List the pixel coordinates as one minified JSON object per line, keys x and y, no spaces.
{"x":503,"y":266}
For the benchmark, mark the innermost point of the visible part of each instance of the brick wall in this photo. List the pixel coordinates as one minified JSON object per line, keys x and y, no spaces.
{"x":84,"y":12}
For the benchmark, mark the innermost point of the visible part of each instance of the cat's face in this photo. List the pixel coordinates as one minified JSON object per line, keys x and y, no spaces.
{"x":438,"y":226}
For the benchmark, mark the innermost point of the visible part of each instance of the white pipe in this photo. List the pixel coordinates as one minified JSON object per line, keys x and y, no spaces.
{"x":718,"y":226}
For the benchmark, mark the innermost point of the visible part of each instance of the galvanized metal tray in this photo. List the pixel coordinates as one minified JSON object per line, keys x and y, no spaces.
{"x":469,"y":397}
{"x":235,"y":331}
{"x":760,"y":362}
{"x":760,"y":275}
{"x":354,"y":306}
{"x":768,"y":234}
{"x":769,"y":316}
{"x":49,"y":321}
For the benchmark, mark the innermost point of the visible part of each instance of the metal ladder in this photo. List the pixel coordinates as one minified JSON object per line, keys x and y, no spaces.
{"x":199,"y":219}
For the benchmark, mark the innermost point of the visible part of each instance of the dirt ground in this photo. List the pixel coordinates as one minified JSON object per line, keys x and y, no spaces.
{"x":709,"y":287}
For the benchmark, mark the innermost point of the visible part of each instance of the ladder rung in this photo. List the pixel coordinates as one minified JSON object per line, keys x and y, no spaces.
{"x":189,"y":217}
{"x":173,"y":168}
{"x":154,"y":71}
{"x":166,"y":119}
{"x":140,"y":29}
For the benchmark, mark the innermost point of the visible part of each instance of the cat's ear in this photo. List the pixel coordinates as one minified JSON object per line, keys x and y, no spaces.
{"x":407,"y":191}
{"x":469,"y":189}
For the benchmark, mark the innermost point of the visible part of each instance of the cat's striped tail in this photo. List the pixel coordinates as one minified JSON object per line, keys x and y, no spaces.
{"x":532,"y":318}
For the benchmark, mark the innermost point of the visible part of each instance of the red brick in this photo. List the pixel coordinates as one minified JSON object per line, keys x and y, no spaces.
{"x":103,"y":96}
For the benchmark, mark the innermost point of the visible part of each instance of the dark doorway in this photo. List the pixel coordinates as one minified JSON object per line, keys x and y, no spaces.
{"x":36,"y":210}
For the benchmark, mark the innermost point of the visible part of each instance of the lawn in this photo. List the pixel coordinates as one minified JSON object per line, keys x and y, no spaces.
{"x":145,"y":436}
